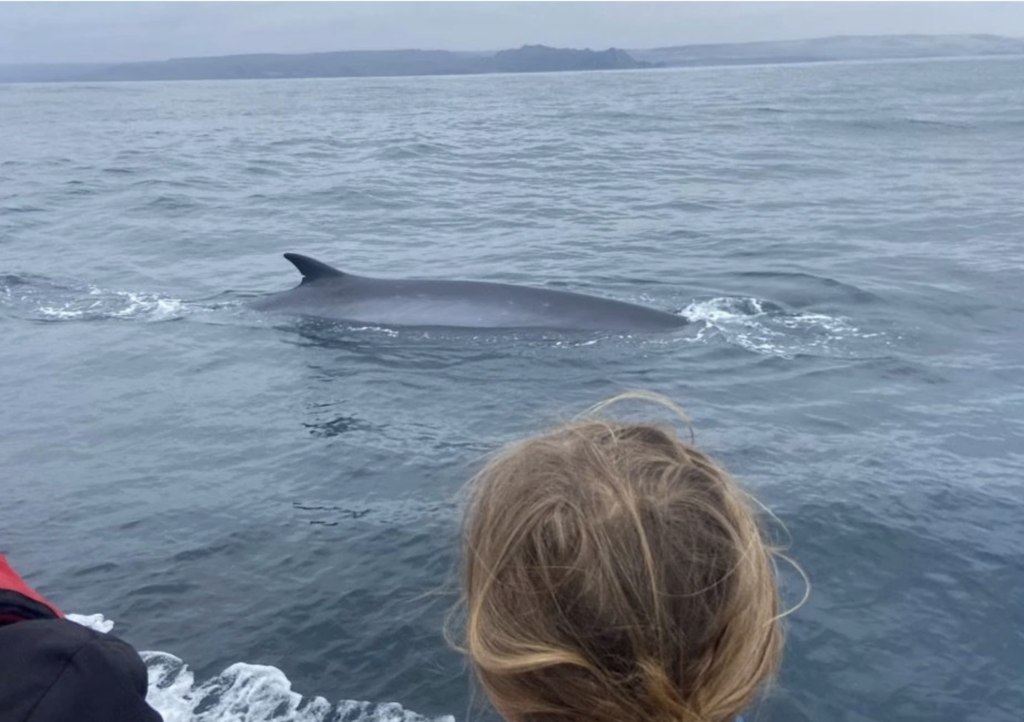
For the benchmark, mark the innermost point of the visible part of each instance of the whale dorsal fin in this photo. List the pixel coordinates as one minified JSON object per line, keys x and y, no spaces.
{"x":312,"y":269}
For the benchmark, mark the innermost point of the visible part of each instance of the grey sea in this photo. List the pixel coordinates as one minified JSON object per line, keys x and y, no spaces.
{"x":269,"y":507}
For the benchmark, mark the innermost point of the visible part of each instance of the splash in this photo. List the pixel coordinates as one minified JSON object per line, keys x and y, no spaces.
{"x":115,"y":304}
{"x":44,"y":299}
{"x":766,"y":328}
{"x":245,"y":693}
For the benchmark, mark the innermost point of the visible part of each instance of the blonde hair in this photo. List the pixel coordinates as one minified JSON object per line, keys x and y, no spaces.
{"x":614,"y":573}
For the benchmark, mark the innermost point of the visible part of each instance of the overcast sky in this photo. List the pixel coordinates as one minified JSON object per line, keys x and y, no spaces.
{"x":112,"y":32}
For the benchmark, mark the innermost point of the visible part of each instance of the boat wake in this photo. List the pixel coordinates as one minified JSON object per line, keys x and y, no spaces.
{"x":245,"y":693}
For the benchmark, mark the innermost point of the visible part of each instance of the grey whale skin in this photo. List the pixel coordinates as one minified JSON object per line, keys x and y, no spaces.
{"x":326,"y":292}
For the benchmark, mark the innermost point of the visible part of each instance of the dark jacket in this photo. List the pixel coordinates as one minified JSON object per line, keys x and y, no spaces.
{"x":54,"y":670}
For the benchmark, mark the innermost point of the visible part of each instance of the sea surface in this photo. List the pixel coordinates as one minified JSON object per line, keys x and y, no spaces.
{"x":269,"y":507}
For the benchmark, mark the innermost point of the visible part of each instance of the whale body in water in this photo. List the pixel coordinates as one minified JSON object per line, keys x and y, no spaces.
{"x":326,"y":292}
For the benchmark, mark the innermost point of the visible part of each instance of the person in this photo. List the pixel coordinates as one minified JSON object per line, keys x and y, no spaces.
{"x":612,"y":572}
{"x":54,"y":670}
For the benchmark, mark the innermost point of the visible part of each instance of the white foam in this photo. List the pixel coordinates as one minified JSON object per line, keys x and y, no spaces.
{"x":724,"y":309}
{"x":762,"y":328}
{"x":375,"y":329}
{"x":100,"y":303}
{"x":252,"y":693}
{"x":152,"y":307}
{"x":93,"y":621}
{"x":245,"y":693}
{"x":241,"y":693}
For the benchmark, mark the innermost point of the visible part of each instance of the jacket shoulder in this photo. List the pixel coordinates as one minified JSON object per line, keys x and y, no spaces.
{"x":53,"y":670}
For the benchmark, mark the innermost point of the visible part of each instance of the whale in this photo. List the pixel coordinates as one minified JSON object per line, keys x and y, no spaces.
{"x":328,"y":293}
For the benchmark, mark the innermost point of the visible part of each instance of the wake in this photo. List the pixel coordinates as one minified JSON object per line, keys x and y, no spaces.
{"x":245,"y":693}
{"x":38,"y":298}
{"x":767,"y":329}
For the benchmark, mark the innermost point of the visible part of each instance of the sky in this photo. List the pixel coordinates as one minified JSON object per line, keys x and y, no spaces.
{"x":58,"y":32}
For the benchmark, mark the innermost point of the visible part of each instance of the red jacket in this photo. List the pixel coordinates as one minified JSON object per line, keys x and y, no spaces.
{"x":18,"y":601}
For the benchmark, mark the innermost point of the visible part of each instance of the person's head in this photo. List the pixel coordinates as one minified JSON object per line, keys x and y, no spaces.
{"x":614,"y":573}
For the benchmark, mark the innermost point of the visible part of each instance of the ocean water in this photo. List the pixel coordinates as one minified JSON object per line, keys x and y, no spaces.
{"x":268,"y":508}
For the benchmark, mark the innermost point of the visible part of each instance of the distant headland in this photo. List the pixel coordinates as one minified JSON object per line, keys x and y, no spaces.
{"x":527,"y":59}
{"x":343,"y":64}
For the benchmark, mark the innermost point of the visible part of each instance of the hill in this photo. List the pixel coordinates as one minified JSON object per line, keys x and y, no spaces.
{"x":344,"y":64}
{"x":874,"y":47}
{"x":527,"y":59}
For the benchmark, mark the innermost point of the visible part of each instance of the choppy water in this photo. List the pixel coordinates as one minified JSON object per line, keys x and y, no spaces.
{"x":271,"y":503}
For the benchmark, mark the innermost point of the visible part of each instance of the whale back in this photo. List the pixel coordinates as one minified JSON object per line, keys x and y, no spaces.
{"x":326,"y":292}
